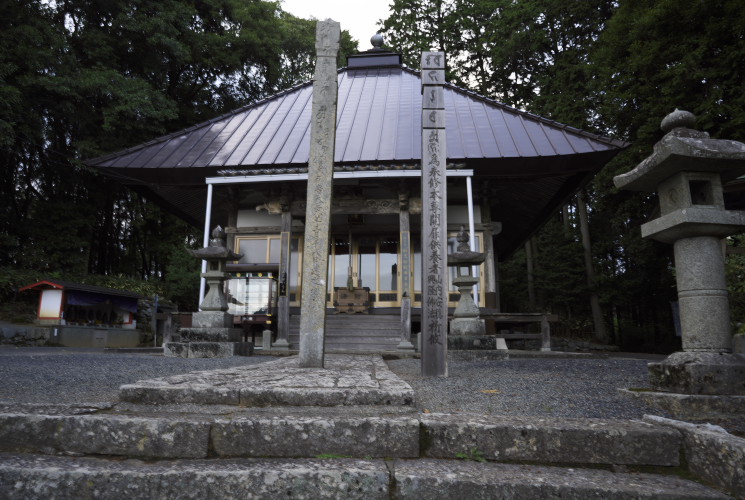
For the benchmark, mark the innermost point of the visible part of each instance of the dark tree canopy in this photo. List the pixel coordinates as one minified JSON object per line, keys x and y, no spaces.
{"x":612,"y":67}
{"x":81,"y":78}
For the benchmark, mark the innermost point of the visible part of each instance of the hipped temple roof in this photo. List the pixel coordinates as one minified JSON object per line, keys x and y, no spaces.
{"x":534,"y":164}
{"x":379,"y":120}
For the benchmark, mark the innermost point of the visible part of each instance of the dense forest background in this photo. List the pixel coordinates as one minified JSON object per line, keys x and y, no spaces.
{"x":81,"y":78}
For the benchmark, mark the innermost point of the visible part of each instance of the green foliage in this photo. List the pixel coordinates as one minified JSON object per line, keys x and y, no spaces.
{"x":80,"y":79}
{"x":616,"y":68}
{"x":474,"y":455}
{"x":182,"y":279}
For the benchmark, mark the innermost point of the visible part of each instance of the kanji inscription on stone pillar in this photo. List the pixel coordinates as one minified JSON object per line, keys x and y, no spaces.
{"x":434,"y":218}
{"x":320,"y":189}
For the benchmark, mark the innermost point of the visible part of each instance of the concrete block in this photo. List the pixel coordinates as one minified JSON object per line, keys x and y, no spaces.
{"x":312,"y":436}
{"x":266,"y":340}
{"x":550,"y":440}
{"x":415,"y":479}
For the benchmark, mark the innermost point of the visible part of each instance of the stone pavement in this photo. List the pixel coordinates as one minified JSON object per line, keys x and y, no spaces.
{"x":350,"y":430}
{"x":346,"y":380}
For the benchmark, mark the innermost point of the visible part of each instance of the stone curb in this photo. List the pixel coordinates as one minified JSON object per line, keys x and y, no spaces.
{"x":712,"y":453}
{"x":550,"y":440}
{"x":28,"y":476}
{"x":276,"y":434}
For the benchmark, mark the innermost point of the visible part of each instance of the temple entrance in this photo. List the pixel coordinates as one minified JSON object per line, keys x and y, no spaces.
{"x":370,"y":261}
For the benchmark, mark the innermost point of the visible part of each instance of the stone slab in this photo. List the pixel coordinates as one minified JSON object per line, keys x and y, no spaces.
{"x":468,"y":479}
{"x":211,"y":319}
{"x":699,"y":373}
{"x":103,"y":435}
{"x":712,"y":453}
{"x":27,"y":476}
{"x":346,"y":380}
{"x":211,"y":334}
{"x":296,"y":436}
{"x":207,"y":349}
{"x":173,"y":434}
{"x":692,"y":406}
{"x":550,"y":440}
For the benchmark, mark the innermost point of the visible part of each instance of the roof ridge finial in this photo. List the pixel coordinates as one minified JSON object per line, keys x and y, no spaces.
{"x":377,"y":41}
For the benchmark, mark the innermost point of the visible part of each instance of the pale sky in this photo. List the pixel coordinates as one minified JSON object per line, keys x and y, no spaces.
{"x":357,"y":17}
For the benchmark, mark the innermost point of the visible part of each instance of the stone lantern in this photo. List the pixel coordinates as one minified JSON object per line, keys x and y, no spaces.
{"x":212,"y":334}
{"x":466,"y":319}
{"x":687,"y":169}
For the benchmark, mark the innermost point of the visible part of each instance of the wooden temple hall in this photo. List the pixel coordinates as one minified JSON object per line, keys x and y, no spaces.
{"x":508,"y":171}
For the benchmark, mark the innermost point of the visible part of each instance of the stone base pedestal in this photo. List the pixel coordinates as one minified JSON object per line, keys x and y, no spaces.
{"x":699,"y":373}
{"x":281,"y":345}
{"x":211,"y":319}
{"x":467,"y":326}
{"x":209,"y":342}
{"x":474,"y":342}
{"x":207,"y":349}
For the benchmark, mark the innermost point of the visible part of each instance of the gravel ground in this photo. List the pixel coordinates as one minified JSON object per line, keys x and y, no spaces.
{"x":547,"y":387}
{"x":583,"y":388}
{"x":66,"y":375}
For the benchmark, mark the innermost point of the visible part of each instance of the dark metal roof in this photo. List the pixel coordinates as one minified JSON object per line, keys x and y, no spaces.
{"x":378,"y":119}
{"x":533,"y":165}
{"x":68,"y":285}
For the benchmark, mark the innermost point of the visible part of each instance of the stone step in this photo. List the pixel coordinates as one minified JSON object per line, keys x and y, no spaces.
{"x":30,"y":476}
{"x":173,"y":432}
{"x":171,"y":436}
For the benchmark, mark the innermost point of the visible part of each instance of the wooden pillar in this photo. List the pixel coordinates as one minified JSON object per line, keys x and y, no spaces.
{"x":405,"y":258}
{"x":491,"y":283}
{"x":283,"y":302}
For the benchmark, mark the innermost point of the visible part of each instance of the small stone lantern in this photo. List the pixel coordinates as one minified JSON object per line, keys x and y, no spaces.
{"x":217,"y":255}
{"x":687,"y":169}
{"x":466,"y":319}
{"x":212,"y":334}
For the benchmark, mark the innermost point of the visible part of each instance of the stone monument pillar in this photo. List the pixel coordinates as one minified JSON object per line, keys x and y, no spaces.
{"x":212,"y":334}
{"x":434,"y":218}
{"x":686,"y":169}
{"x":320,"y":188}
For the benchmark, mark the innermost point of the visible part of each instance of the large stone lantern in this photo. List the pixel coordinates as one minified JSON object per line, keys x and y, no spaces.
{"x":687,"y":169}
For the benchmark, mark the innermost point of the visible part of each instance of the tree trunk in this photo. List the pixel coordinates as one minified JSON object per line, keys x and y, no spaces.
{"x":597,"y":314}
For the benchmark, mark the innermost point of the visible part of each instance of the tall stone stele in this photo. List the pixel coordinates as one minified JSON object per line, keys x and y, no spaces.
{"x":212,"y":334}
{"x":687,"y":169}
{"x":320,"y":191}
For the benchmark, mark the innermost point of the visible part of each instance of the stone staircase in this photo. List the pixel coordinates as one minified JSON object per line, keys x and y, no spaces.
{"x":355,"y":332}
{"x":353,"y":443}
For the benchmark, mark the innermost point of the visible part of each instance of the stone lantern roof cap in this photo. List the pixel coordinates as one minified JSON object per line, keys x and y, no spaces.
{"x":684,"y":149}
